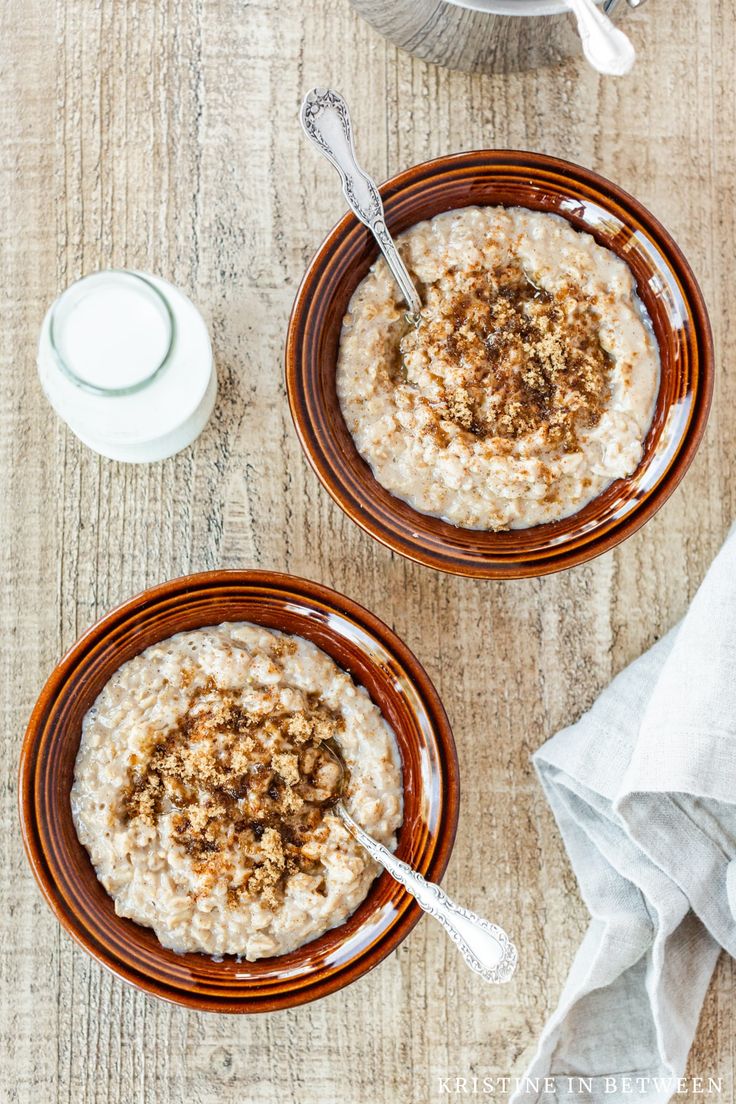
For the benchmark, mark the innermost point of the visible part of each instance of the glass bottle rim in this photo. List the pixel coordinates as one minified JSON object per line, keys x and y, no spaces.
{"x":95,"y":389}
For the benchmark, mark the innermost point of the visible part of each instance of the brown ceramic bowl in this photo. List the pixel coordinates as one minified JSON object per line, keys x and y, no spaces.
{"x":665,"y":284}
{"x":359,"y":643}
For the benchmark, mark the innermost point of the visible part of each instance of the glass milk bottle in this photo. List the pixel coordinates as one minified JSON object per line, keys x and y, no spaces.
{"x":125,"y":360}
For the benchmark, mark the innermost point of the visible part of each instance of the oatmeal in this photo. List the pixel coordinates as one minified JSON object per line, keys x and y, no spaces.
{"x":205,"y":783}
{"x":528,"y":384}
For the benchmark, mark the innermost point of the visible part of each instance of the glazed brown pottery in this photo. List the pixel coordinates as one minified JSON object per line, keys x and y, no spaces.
{"x":665,"y":284}
{"x":361,"y":644}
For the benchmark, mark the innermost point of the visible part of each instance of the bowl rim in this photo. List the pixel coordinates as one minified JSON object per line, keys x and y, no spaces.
{"x":179,"y":589}
{"x":562,"y":556}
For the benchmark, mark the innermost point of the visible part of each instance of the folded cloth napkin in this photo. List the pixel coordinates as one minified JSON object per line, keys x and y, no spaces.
{"x":643,"y":788}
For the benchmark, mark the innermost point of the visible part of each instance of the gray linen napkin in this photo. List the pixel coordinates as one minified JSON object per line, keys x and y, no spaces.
{"x":643,"y":788}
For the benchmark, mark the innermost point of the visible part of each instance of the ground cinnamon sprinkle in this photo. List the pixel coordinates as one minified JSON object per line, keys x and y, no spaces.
{"x":246,"y":791}
{"x":522,"y":360}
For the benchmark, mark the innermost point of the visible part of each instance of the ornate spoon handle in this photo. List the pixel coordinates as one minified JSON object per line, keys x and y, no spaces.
{"x":485,"y":947}
{"x":326,"y":121}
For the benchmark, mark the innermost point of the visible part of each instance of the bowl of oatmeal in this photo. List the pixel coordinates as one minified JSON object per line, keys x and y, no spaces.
{"x":177,"y":785}
{"x":550,"y":396}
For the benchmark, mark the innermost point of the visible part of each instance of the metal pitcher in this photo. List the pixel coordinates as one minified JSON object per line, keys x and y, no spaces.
{"x":482,"y":35}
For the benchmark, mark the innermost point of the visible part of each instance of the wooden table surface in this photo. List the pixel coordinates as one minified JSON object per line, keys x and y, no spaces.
{"x":162,"y":135}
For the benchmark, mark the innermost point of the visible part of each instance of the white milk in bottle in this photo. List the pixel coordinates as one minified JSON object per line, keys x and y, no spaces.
{"x":125,"y":360}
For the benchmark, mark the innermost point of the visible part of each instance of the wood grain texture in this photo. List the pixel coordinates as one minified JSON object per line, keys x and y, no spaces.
{"x":162,"y":134}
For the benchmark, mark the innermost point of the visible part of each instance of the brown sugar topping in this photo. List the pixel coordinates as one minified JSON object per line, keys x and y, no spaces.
{"x":245,"y":791}
{"x":510,"y":359}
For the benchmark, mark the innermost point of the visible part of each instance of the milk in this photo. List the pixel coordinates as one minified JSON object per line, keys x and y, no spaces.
{"x":125,"y":360}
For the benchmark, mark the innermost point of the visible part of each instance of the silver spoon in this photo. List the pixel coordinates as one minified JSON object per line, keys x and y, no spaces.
{"x":326,"y":121}
{"x":606,"y":47}
{"x":485,"y":947}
